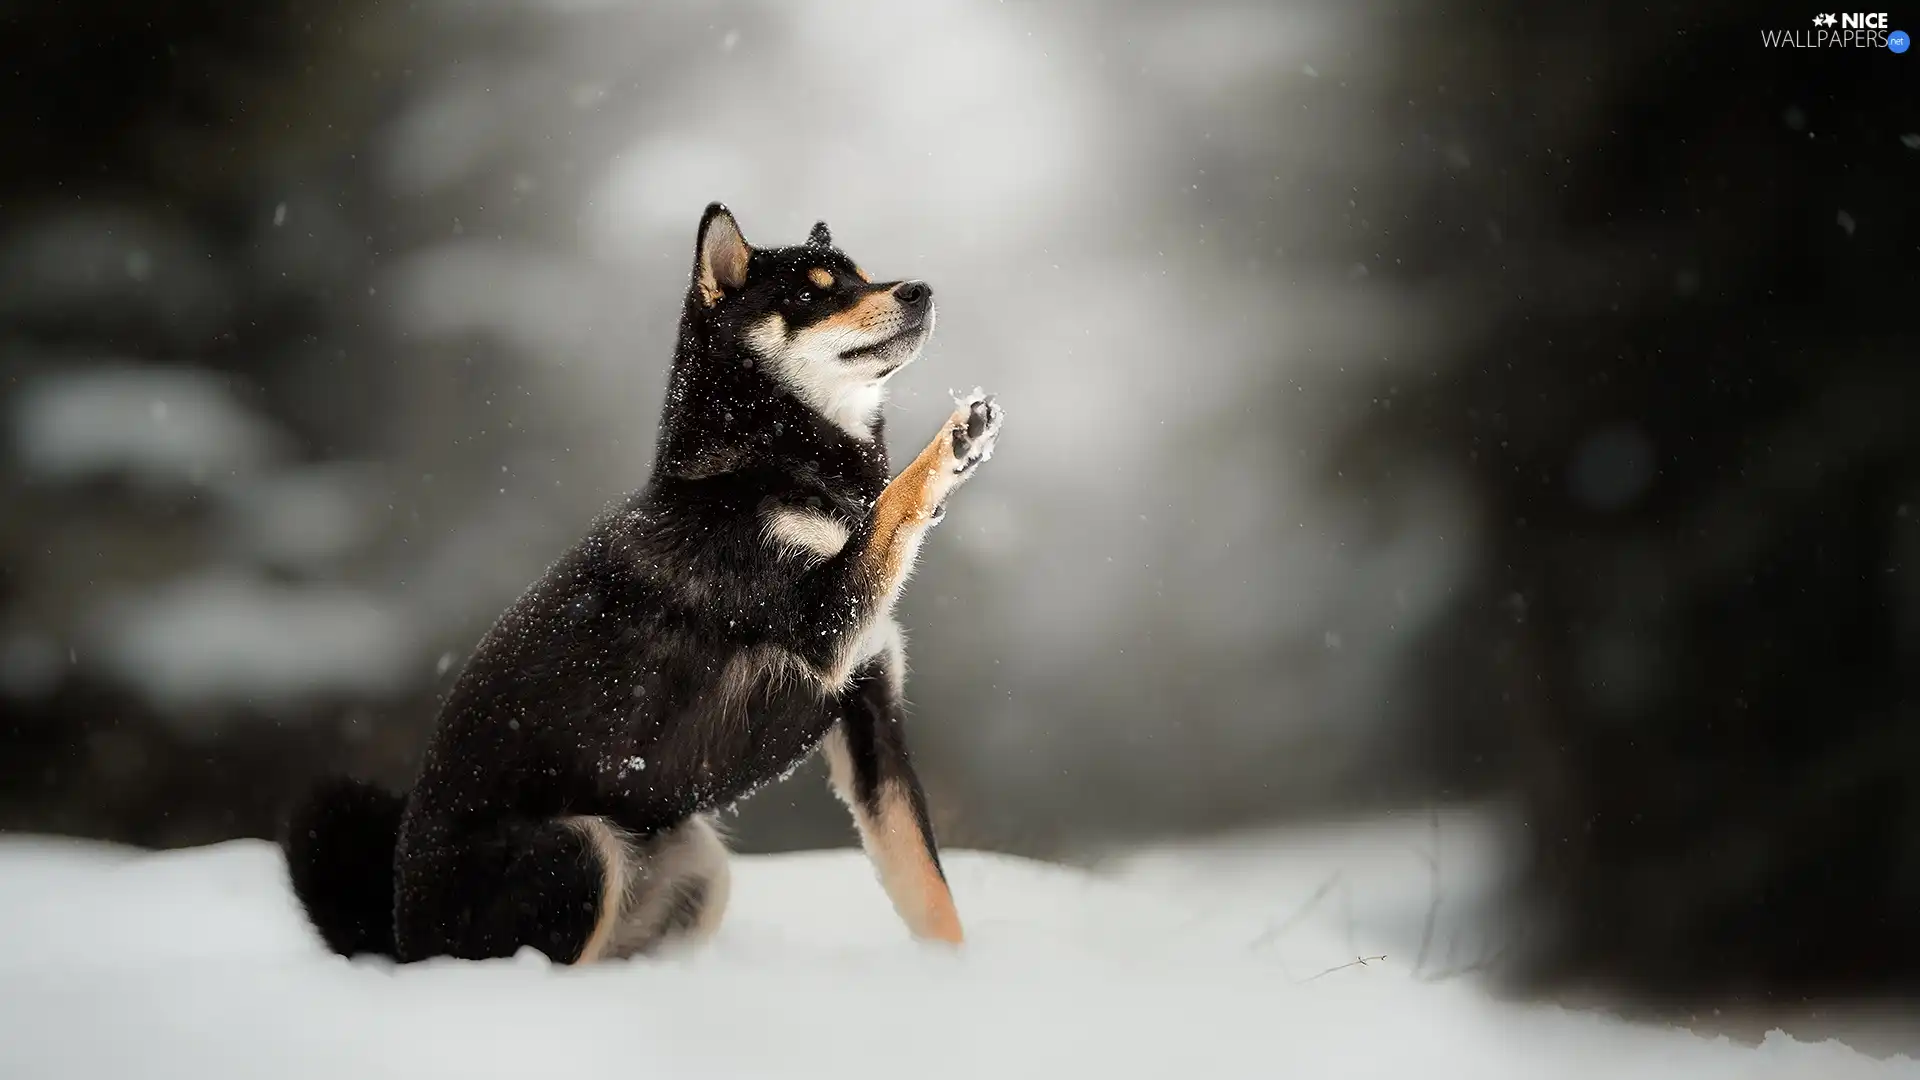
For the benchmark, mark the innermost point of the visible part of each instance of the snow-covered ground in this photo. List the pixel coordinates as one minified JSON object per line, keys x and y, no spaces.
{"x":1219,"y":960}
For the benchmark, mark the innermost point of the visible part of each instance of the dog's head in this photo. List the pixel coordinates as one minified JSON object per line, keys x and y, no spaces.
{"x":809,"y":316}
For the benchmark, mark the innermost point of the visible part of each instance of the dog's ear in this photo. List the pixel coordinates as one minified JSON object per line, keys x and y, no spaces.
{"x":720,"y":262}
{"x":820,"y":237}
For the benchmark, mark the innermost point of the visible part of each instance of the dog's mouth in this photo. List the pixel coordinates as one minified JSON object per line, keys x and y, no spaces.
{"x":888,"y":345}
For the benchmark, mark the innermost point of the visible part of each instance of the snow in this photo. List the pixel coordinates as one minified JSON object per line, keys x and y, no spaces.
{"x":116,"y":963}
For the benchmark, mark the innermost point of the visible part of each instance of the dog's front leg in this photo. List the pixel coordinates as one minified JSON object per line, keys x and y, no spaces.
{"x":850,"y":596}
{"x":915,"y":500}
{"x":872,"y":773}
{"x":866,"y":750}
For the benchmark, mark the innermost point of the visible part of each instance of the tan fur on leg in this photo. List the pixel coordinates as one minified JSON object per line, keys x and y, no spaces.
{"x":905,"y":511}
{"x":894,"y":844}
{"x":645,"y":880}
{"x":691,"y":855}
{"x":920,"y":895}
{"x":613,"y":849}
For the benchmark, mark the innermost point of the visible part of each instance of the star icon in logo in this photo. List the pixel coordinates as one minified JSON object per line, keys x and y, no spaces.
{"x":1824,"y":20}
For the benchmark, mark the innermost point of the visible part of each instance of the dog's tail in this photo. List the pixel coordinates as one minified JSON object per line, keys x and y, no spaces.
{"x":339,"y":846}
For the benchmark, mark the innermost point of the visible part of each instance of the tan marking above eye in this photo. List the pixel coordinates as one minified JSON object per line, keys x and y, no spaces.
{"x":820,"y":277}
{"x":862,"y":275}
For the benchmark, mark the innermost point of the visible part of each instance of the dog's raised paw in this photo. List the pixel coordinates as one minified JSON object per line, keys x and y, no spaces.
{"x":976,"y":426}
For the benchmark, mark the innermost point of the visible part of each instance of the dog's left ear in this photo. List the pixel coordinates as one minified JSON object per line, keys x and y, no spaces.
{"x":720,"y":265}
{"x":820,"y":237}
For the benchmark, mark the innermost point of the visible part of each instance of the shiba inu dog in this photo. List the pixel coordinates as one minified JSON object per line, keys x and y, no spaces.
{"x":708,"y":634}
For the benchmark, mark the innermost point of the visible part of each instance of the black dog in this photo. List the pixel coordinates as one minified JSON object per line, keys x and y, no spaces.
{"x":703,"y":639}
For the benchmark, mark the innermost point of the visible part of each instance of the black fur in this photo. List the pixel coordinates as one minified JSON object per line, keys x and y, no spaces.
{"x":613,"y":687}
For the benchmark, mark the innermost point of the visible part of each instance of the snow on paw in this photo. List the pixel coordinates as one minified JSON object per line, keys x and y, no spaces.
{"x":974,"y":427}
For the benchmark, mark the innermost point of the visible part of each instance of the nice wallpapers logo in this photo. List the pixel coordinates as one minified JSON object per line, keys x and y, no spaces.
{"x":1846,"y":30}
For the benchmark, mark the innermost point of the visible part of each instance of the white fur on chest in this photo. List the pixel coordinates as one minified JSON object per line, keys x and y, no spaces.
{"x":851,"y":406}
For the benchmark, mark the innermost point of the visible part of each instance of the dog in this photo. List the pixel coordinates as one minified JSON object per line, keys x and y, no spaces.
{"x":710,"y":633}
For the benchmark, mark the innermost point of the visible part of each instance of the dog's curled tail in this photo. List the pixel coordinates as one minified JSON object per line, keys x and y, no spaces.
{"x":339,"y":847}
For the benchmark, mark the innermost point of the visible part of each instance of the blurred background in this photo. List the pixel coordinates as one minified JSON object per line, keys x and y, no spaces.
{"x":1507,"y":406}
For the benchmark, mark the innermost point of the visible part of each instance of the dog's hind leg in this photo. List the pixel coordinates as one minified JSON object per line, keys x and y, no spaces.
{"x":579,"y":889}
{"x":676,"y":887}
{"x":870,"y":770}
{"x":483,"y":892}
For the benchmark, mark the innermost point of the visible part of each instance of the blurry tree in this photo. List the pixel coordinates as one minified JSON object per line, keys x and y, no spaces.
{"x":1690,"y":419}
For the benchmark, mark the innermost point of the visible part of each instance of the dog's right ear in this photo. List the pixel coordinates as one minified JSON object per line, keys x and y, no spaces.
{"x":720,"y":261}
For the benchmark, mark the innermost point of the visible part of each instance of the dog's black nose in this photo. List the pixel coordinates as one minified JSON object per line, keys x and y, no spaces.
{"x":914,"y":294}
